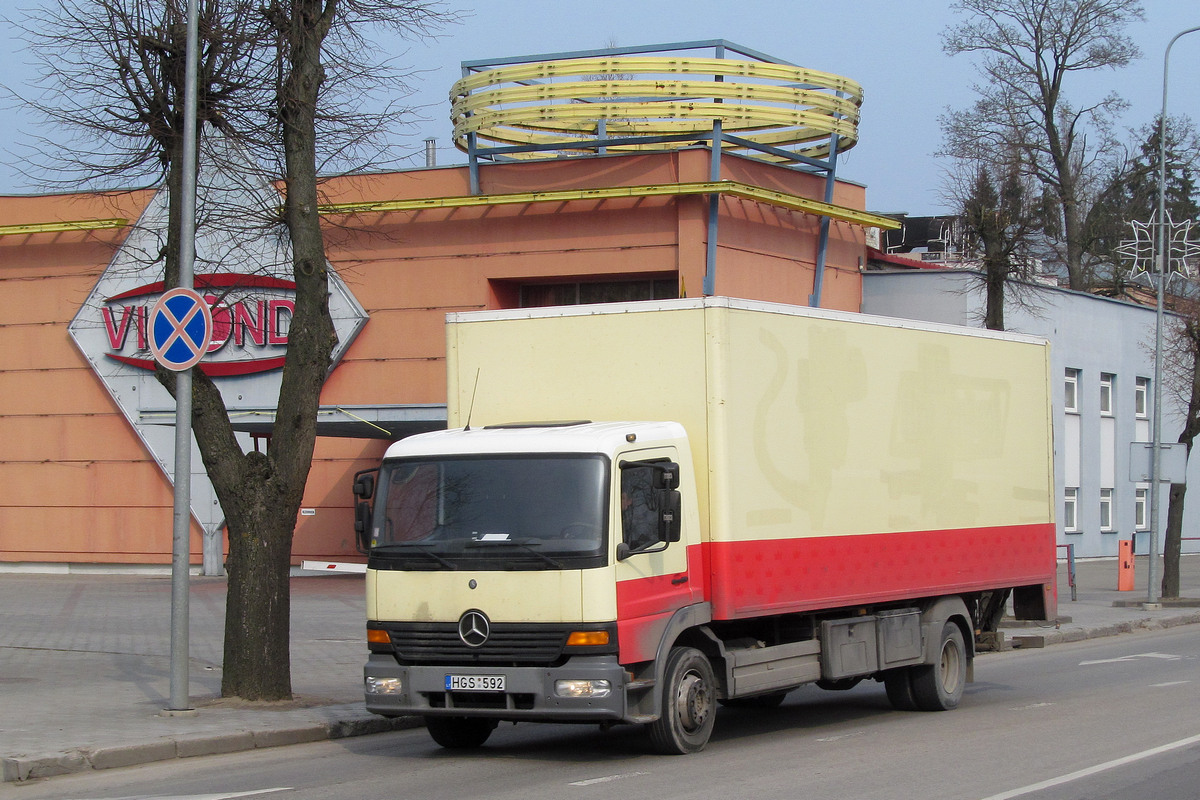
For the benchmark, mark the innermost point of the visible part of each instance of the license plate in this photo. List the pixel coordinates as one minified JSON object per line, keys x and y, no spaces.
{"x":475,"y":683}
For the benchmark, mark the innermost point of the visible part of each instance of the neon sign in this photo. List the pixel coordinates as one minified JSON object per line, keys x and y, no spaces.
{"x":252,"y":315}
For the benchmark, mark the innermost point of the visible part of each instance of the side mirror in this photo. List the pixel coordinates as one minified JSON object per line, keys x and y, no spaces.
{"x":362,"y":525}
{"x":364,"y":485}
{"x":666,"y":475}
{"x":670,"y":525}
{"x":364,"y":490}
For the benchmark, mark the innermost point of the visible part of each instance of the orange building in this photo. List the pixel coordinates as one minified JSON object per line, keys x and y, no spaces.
{"x":80,"y":479}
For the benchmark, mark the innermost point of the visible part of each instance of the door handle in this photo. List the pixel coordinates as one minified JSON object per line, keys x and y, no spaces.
{"x":678,"y":580}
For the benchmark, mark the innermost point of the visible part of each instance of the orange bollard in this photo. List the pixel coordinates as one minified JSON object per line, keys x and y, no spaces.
{"x":1125,"y":565}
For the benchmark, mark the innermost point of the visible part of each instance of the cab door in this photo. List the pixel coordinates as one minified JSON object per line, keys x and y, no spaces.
{"x":652,"y":572}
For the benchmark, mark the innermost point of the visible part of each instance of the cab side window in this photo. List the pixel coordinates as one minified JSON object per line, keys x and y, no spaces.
{"x":639,"y":516}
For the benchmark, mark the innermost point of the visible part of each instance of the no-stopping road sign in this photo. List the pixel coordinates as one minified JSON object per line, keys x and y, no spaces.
{"x":180,"y":329}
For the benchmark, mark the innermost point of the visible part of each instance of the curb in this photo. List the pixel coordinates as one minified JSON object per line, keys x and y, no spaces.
{"x":30,"y":767}
{"x":1065,"y":635}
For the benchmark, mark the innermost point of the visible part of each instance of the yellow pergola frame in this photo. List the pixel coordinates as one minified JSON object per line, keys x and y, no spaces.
{"x":63,"y":227}
{"x":723,"y":187}
{"x":744,"y":191}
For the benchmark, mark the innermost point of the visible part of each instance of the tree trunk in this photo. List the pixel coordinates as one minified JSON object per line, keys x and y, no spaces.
{"x":257,"y":659}
{"x":257,"y":666}
{"x":1173,"y":540}
{"x":1072,"y":238}
{"x":995,"y":277}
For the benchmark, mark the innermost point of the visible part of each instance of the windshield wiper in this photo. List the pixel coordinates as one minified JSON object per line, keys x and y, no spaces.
{"x":524,"y":544}
{"x":420,"y":548}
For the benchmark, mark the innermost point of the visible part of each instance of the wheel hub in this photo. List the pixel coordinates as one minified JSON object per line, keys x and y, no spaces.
{"x":693,"y":703}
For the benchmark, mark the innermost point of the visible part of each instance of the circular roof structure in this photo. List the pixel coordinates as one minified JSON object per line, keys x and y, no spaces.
{"x":631,"y":101}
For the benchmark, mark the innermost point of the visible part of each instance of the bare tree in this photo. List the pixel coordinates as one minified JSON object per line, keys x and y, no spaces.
{"x":1001,"y":213}
{"x":286,"y":80}
{"x":1181,"y":372}
{"x":1029,"y":49}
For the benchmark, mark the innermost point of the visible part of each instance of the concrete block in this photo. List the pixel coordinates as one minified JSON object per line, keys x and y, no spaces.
{"x":214,"y":745}
{"x":286,"y":736}
{"x":131,"y":755}
{"x":23,"y":768}
{"x":365,"y":726}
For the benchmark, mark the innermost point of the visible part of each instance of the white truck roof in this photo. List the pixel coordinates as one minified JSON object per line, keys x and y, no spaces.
{"x":535,"y":437}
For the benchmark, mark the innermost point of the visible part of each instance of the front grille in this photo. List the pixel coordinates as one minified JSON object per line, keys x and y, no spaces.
{"x":479,"y":700}
{"x":509,"y":644}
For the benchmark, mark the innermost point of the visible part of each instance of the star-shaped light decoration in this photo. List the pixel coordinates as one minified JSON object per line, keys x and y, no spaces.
{"x":1182,"y":250}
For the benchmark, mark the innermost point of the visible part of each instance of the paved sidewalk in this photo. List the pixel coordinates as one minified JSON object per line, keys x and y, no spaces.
{"x":85,"y":664}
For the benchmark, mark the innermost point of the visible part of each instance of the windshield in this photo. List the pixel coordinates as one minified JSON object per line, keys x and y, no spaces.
{"x":493,"y":512}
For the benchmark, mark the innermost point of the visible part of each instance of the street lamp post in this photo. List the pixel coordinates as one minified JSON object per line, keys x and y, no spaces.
{"x":1152,"y":591}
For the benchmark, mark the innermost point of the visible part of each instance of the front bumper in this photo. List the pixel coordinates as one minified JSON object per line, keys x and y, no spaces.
{"x":529,"y":693}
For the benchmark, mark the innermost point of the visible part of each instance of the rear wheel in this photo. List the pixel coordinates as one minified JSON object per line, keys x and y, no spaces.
{"x":689,"y":704}
{"x":899,"y":689}
{"x":460,"y":733}
{"x":939,"y":686}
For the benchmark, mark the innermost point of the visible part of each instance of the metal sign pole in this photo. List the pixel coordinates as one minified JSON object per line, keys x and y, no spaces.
{"x":180,"y":540}
{"x":1152,"y":588}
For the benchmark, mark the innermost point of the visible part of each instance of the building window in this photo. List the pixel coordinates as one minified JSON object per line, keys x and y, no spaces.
{"x":1071,"y":391}
{"x":1070,"y":503}
{"x":1141,"y":519}
{"x":1106,"y":510}
{"x":538,"y":295}
{"x":1141,"y":398}
{"x":1106,"y":394}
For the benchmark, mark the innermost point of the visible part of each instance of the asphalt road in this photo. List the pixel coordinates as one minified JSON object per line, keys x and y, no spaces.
{"x":1109,"y":718}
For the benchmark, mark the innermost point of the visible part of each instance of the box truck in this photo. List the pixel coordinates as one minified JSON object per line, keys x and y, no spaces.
{"x":644,"y":511}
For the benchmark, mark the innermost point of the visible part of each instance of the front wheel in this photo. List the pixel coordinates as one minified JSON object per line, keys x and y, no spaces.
{"x":689,"y":704}
{"x":460,"y":733}
{"x":939,"y":686}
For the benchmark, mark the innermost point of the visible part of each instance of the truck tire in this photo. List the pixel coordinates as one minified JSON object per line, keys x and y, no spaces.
{"x":689,"y":704}
{"x":898,"y":683}
{"x":460,"y":733}
{"x":939,"y":686}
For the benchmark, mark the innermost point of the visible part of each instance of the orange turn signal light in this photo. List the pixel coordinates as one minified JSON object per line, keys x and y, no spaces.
{"x":587,"y":638}
{"x":377,"y":636}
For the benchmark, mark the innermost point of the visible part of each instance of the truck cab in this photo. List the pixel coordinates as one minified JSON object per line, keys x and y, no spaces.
{"x":526,"y":571}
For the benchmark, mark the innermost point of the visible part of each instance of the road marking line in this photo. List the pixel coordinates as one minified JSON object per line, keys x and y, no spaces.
{"x":1084,"y":773}
{"x":223,"y":796}
{"x":1126,"y":659}
{"x":1168,"y":683}
{"x":1031,"y":705}
{"x":606,"y":779}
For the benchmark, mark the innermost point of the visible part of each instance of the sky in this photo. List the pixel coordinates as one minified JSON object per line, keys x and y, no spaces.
{"x":891,"y":47}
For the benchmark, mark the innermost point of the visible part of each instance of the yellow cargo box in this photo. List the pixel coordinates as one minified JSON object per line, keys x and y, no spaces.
{"x":839,"y":458}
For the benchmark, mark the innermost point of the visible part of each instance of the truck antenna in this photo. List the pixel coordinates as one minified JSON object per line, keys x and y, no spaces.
{"x":471,"y":408}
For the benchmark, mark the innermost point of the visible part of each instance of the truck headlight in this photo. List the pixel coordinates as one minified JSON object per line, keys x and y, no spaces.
{"x":582,"y":688}
{"x":383,"y":685}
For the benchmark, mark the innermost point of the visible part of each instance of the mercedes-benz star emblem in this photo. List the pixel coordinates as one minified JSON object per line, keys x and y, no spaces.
{"x":474,"y":628}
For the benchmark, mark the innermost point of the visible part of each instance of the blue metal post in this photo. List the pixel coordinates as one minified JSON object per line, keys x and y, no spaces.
{"x":814,"y":300}
{"x":714,"y":206}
